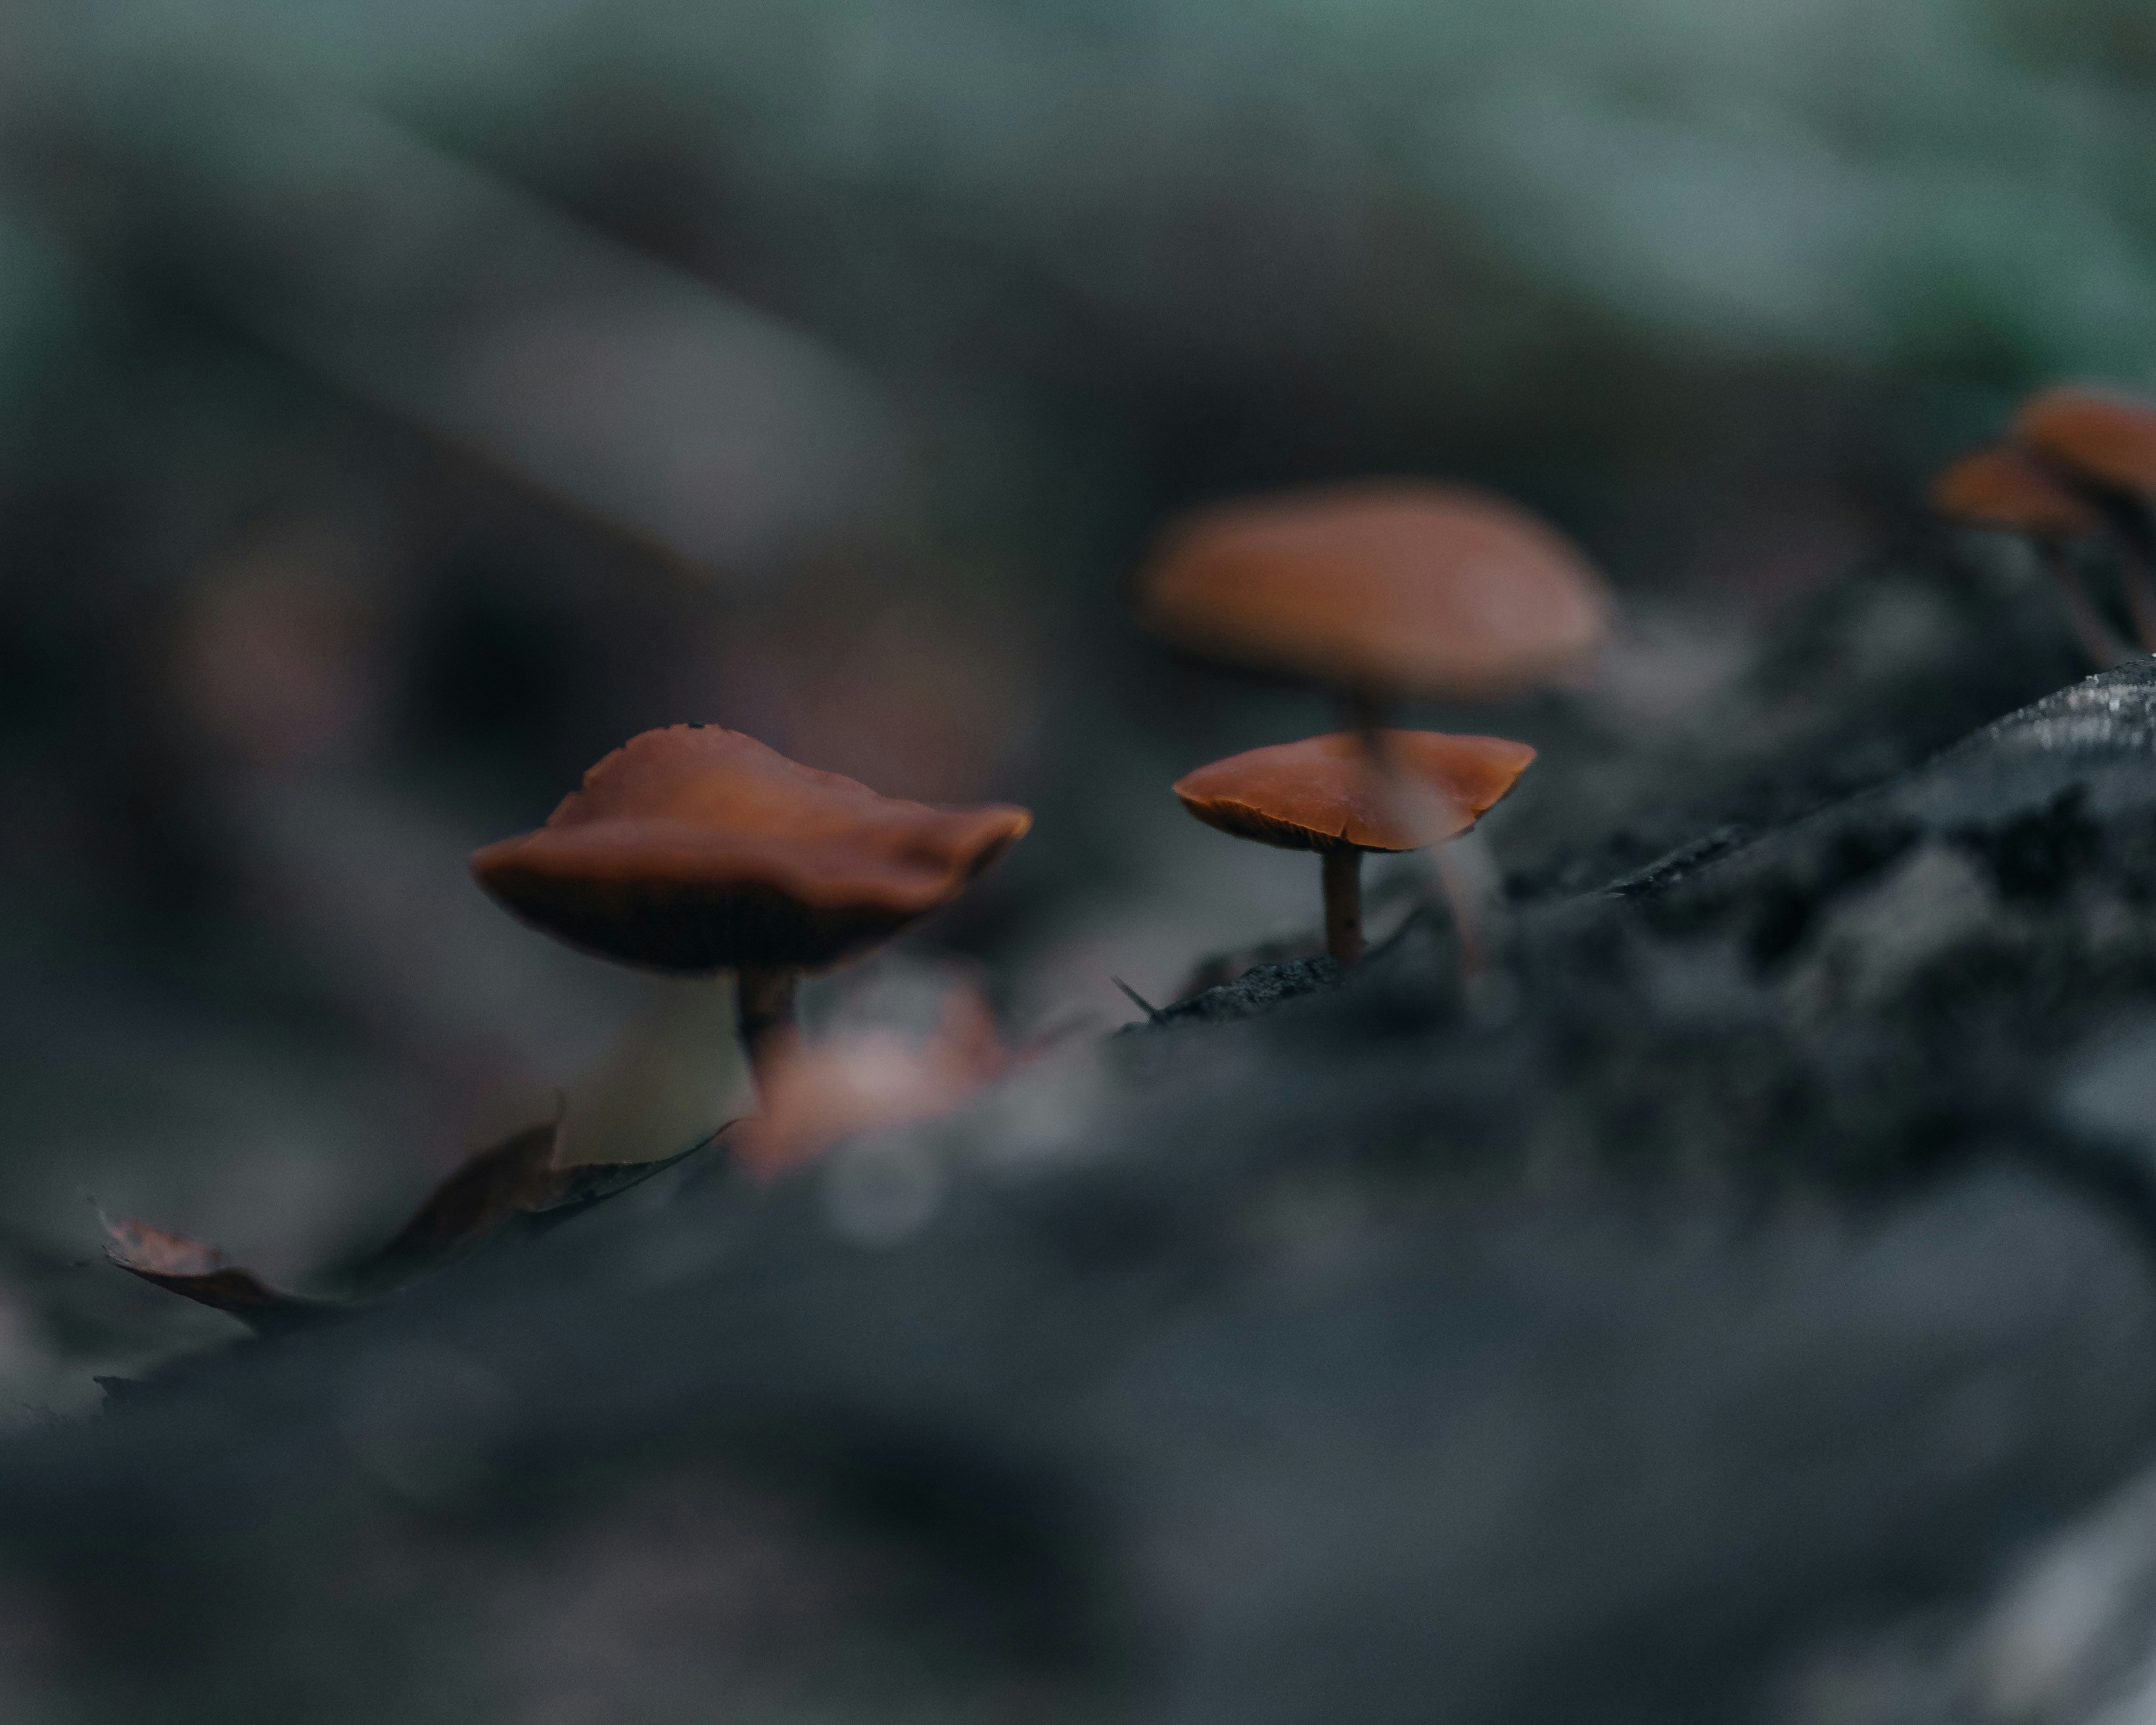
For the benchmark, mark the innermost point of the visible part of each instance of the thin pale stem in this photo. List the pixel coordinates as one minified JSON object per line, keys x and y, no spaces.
{"x":1343,"y":905}
{"x":770,"y":1024}
{"x":1458,"y":879}
{"x":1461,"y":871}
{"x":2093,"y":632}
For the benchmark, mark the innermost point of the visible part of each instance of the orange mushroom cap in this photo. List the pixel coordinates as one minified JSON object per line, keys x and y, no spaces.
{"x":2000,"y":487}
{"x":1326,"y":794}
{"x":695,"y":849}
{"x":2099,"y":435}
{"x":1390,"y":586}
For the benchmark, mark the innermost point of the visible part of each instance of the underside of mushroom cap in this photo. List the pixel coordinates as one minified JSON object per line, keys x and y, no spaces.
{"x":2104,"y":437}
{"x":695,"y":849}
{"x":1326,"y":793}
{"x":1387,"y":586}
{"x":2001,"y":488}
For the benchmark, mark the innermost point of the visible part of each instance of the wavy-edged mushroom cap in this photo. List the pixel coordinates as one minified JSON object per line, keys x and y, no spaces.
{"x":1326,"y":794}
{"x":695,"y":849}
{"x":1388,"y":586}
{"x":2001,"y":488}
{"x":2101,"y":435}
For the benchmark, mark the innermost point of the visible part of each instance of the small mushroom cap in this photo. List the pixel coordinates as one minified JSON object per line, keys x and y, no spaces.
{"x":695,"y":849}
{"x":1326,"y":794}
{"x":1387,"y":586}
{"x":2001,"y":488}
{"x":2098,"y":435}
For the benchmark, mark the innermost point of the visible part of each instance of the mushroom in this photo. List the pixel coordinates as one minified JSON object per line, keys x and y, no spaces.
{"x":2003,"y":490}
{"x":2103,"y":444}
{"x":694,"y":849}
{"x":1379,"y":590}
{"x":1331,"y":794}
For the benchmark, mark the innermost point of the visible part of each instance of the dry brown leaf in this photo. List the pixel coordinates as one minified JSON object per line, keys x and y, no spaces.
{"x":516,"y":1178}
{"x":477,"y":1198}
{"x":199,"y":1273}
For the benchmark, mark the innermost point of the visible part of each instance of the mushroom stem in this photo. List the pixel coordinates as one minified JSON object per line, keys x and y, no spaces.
{"x":1462,"y":868}
{"x":1365,"y":714}
{"x":770,"y":1025}
{"x":1457,"y":878}
{"x":1343,"y":905}
{"x":2094,"y":634}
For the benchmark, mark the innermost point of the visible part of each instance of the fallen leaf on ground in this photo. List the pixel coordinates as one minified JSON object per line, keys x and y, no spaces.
{"x":199,"y":1273}
{"x":477,"y":1198}
{"x":515,"y":1180}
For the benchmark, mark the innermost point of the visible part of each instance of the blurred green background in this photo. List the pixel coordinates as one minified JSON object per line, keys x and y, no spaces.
{"x":401,"y":404}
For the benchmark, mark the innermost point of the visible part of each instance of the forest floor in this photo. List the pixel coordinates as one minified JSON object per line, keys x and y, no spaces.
{"x":1738,"y":1302}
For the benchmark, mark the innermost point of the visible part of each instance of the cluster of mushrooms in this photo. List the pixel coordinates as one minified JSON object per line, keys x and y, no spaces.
{"x":1374,"y":593}
{"x":695,"y":850}
{"x":2076,"y":471}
